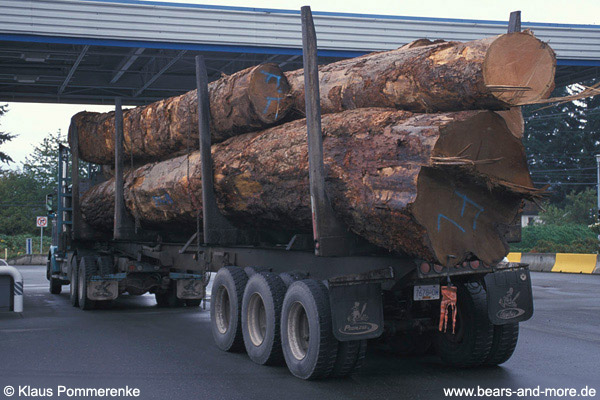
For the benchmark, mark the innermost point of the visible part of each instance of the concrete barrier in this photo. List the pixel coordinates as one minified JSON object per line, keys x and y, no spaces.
{"x":29,"y":259}
{"x":559,"y":262}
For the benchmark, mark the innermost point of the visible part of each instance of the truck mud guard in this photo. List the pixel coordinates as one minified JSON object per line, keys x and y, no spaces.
{"x":509,"y":296}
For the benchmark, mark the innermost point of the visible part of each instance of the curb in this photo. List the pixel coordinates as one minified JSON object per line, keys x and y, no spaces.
{"x":559,"y":262}
{"x":29,"y":259}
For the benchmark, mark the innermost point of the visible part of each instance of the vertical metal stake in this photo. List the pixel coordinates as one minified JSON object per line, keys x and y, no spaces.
{"x":123,"y":226}
{"x":214,"y":223}
{"x":514,"y":22}
{"x":331,"y":237}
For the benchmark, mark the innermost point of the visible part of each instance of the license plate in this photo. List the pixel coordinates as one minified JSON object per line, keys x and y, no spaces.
{"x":427,"y":292}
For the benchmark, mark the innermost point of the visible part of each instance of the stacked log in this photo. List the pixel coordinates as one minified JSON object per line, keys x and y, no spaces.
{"x":383,"y":178}
{"x":422,"y":148}
{"x":246,"y":101}
{"x":495,"y":73}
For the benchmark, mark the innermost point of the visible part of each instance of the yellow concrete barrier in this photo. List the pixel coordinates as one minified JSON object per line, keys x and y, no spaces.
{"x":514,"y":257}
{"x":575,"y":263}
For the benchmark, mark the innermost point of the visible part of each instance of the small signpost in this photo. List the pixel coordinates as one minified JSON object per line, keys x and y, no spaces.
{"x":41,"y":222}
{"x":29,"y":246}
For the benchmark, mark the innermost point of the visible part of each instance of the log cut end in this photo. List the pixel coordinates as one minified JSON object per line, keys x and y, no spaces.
{"x":268,"y":93}
{"x":519,"y":68}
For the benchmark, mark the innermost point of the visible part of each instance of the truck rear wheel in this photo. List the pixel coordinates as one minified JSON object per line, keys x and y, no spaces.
{"x":87,"y":268}
{"x":472,"y":341}
{"x":503,"y":344}
{"x":74,"y":283}
{"x":309,"y":347}
{"x":226,"y":308}
{"x":261,"y":318}
{"x":349,"y":359}
{"x":55,"y":285}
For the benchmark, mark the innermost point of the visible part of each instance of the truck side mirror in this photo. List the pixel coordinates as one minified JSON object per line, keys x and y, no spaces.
{"x":50,"y":204}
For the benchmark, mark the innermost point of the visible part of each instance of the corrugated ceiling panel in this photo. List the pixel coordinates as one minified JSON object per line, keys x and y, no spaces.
{"x":163,"y":23}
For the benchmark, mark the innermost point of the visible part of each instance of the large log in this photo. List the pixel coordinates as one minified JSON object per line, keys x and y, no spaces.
{"x":493,"y":73}
{"x":248,"y":100}
{"x":430,"y":185}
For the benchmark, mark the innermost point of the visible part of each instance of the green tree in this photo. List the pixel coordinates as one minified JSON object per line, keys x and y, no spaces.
{"x":561,"y":142}
{"x":42,"y":163}
{"x":579,"y":208}
{"x":5,"y":137}
{"x":21,"y":200}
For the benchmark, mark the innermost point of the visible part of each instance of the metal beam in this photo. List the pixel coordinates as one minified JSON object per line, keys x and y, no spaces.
{"x":289,"y":60}
{"x":126,"y":63}
{"x":73,"y":68}
{"x":159,"y":73}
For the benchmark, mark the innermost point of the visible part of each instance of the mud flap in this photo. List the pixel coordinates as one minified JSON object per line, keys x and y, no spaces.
{"x":190,"y":289}
{"x":357,"y":311}
{"x":102,"y":290}
{"x":509,"y":296}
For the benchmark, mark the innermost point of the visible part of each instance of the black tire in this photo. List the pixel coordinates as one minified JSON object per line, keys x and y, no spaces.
{"x":349,"y":358}
{"x":255,"y":270}
{"x":73,"y":297}
{"x":410,"y":344}
{"x":87,"y":268}
{"x":169,"y":298}
{"x":161,"y":300}
{"x":309,"y":347}
{"x":193,"y":302}
{"x":105,"y":265}
{"x":290,"y":277}
{"x":471,"y":344}
{"x":55,"y":285}
{"x":503,"y":344}
{"x":261,"y":318}
{"x":226,"y":308}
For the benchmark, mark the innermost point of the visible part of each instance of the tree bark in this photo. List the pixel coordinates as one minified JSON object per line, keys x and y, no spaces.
{"x":429,"y":185}
{"x":246,"y":101}
{"x":425,"y":76}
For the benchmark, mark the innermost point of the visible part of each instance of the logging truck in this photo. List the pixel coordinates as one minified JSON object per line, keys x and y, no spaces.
{"x":310,"y":299}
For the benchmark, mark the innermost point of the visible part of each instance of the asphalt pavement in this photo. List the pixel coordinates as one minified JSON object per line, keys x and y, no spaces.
{"x":169,"y":354}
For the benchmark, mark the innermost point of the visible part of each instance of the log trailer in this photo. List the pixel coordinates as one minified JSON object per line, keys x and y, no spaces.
{"x":312,"y":301}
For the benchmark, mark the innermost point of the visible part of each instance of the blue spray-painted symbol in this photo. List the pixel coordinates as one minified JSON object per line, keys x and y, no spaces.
{"x":270,"y":99}
{"x":462,"y":213}
{"x":162,"y":200}
{"x":465,"y":201}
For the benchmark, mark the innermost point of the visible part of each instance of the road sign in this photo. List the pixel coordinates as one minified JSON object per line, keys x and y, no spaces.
{"x":41,"y":222}
{"x":29,"y":246}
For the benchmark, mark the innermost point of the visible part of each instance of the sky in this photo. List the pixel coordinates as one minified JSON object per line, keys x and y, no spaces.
{"x":32,"y":122}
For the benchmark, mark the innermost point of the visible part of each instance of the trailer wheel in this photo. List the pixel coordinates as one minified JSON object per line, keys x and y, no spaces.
{"x":226,"y":308}
{"x":55,"y":286}
{"x":105,"y":265}
{"x":290,"y":277}
{"x":472,"y":342}
{"x":309,"y":347}
{"x":74,"y":283}
{"x":87,"y":268}
{"x":193,"y":302}
{"x":261,"y":318}
{"x":503,"y":344}
{"x":169,"y":298}
{"x":349,"y":359}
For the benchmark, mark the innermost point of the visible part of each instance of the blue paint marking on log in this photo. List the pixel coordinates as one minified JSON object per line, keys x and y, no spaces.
{"x":277,"y":78}
{"x":163,"y":199}
{"x":269,"y":76}
{"x":269,"y":101}
{"x":440,"y":216}
{"x":465,"y":201}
